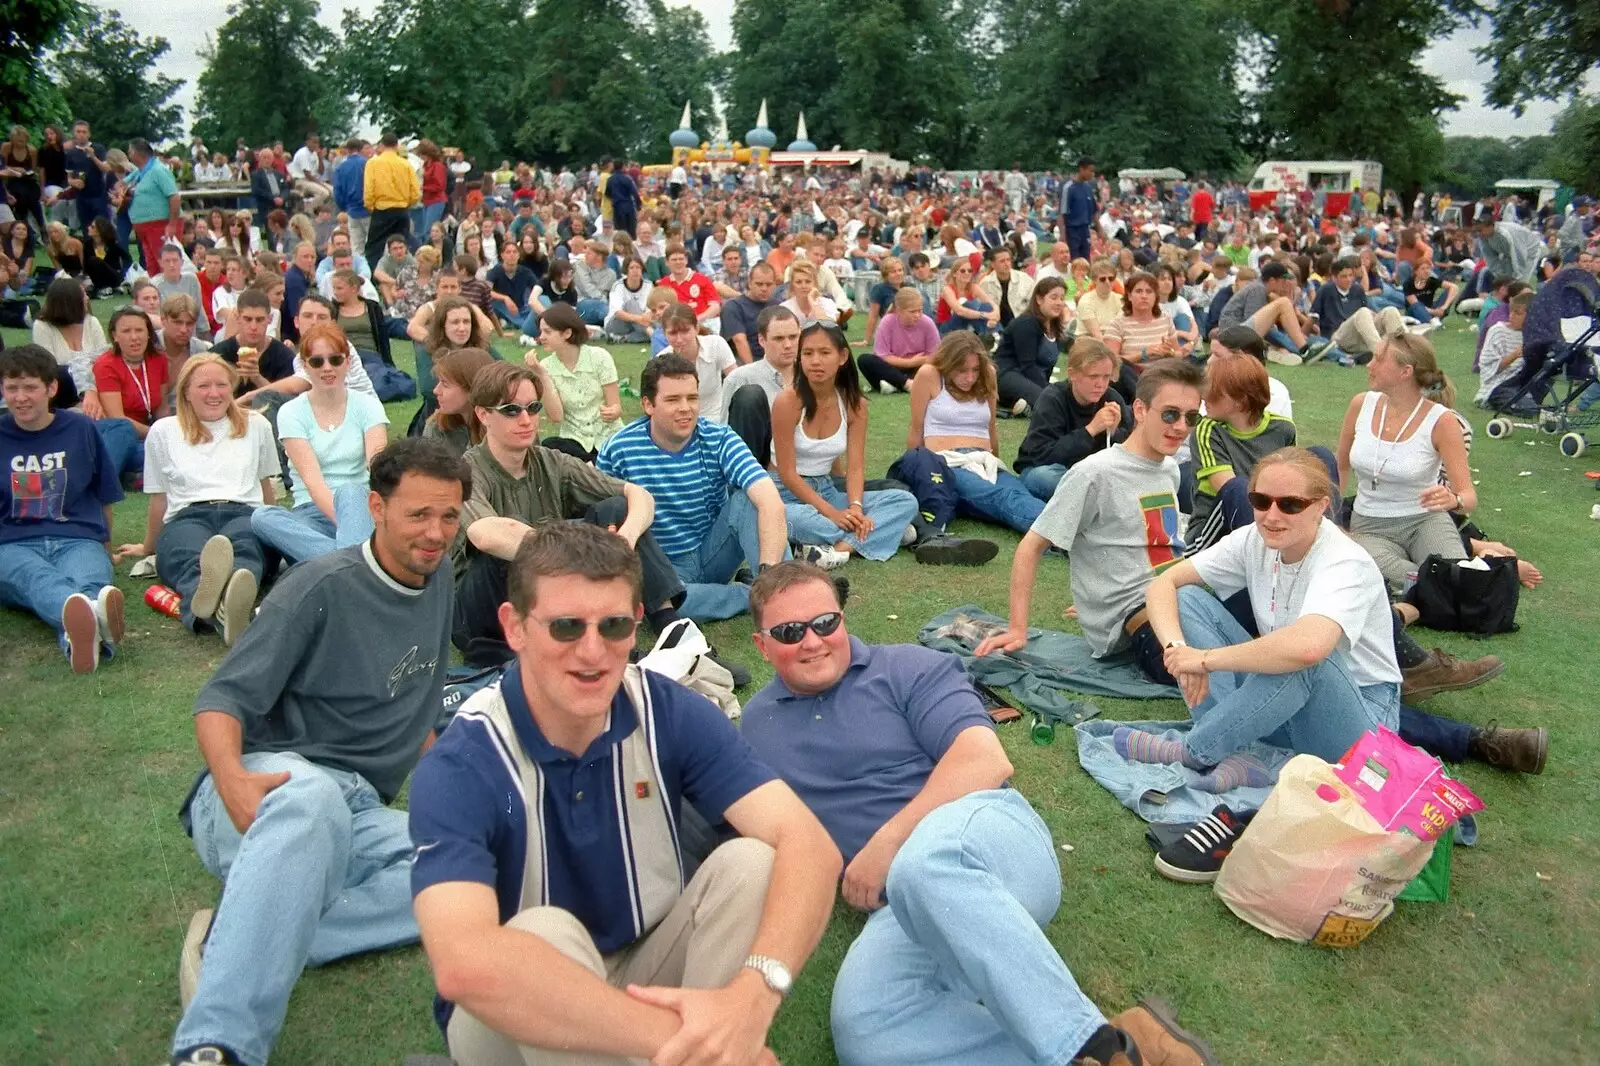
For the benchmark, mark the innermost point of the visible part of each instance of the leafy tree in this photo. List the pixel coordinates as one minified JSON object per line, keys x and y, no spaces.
{"x":584,"y":83}
{"x":418,"y":67}
{"x":679,"y":64}
{"x":785,"y":52}
{"x":107,"y":76}
{"x":266,"y":78}
{"x":1541,"y":49}
{"x":1575,"y":145}
{"x":31,"y":28}
{"x":1340,"y":79}
{"x":1471,"y":165}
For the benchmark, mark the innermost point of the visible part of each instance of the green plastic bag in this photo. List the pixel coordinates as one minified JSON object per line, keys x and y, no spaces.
{"x":1432,"y":885}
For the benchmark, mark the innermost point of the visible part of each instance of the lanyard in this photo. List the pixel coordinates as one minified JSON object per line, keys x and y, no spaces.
{"x":1393,"y":444}
{"x":143,"y":386}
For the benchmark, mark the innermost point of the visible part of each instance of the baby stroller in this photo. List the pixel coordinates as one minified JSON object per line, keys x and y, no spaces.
{"x":1560,"y":359}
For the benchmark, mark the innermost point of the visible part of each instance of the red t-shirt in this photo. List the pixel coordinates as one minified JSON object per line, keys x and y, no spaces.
{"x":141,"y":387}
{"x":1201,"y":206}
{"x":207,"y":287}
{"x":696,"y":290}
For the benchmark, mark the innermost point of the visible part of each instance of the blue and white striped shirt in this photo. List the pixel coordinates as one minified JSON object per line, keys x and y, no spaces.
{"x":690,"y":486}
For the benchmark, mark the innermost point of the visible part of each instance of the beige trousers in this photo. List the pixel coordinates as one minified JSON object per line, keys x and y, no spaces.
{"x":701,"y":943}
{"x":1362,"y":331}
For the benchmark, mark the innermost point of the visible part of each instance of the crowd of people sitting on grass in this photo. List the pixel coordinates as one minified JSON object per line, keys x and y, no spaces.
{"x":572,"y":907}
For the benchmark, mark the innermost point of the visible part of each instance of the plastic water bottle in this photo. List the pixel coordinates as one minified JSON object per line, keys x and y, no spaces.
{"x":163,"y":600}
{"x":625,"y":388}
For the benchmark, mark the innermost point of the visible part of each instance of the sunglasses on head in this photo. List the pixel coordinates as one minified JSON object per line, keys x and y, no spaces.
{"x":512,"y":410}
{"x":1171,"y":415}
{"x":614,"y":627}
{"x":316,"y":362}
{"x":1287,"y":504}
{"x":823,"y":625}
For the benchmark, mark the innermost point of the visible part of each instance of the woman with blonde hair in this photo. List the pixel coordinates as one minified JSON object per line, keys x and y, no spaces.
{"x":416,"y":284}
{"x":1397,"y":438}
{"x":301,"y":230}
{"x":1073,"y":419}
{"x":455,"y":422}
{"x":961,"y":303}
{"x":206,"y":469}
{"x":804,"y":300}
{"x":330,"y":435}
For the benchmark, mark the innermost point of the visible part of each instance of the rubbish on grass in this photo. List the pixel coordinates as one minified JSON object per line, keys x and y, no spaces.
{"x":894,"y":618}
{"x":1526,"y":473}
{"x":1543,"y":877}
{"x":1594,"y":512}
{"x":1067,"y":848}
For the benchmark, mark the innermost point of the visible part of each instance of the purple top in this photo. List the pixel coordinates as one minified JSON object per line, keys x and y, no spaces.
{"x":893,"y":338}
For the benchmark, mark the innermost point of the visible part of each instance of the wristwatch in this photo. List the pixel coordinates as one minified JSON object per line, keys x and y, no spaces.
{"x":773,"y":972}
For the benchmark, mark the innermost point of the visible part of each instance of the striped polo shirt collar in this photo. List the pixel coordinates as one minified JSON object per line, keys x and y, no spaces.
{"x":621,"y":721}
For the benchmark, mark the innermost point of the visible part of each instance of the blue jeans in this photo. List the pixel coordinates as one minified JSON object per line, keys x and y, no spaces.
{"x":593,"y":312}
{"x":1391,"y":297}
{"x":123,"y":445}
{"x":1320,"y":710}
{"x":1278,"y":338}
{"x":323,"y":872}
{"x":891,"y":512}
{"x":39,"y":573}
{"x":707,"y":572}
{"x":1423,"y":312}
{"x":305,"y":532}
{"x":1006,"y":502}
{"x":977,"y":325}
{"x":957,"y":969}
{"x":1042,"y":480}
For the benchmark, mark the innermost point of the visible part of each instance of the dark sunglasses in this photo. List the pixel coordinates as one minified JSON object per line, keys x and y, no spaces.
{"x":611,"y":627}
{"x":316,"y":362}
{"x":1170,"y":416}
{"x":1106,"y":277}
{"x":512,"y":410}
{"x":823,"y":625}
{"x":1287,"y":504}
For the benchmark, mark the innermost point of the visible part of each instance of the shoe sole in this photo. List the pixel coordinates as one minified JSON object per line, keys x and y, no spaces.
{"x":216,"y":567}
{"x":189,"y":959}
{"x":968,"y":553}
{"x":1544,"y":750}
{"x":238,"y":605}
{"x":1187,"y":877}
{"x":110,"y":603}
{"x":82,"y":627}
{"x":1427,"y":692}
{"x":1162,"y":1012}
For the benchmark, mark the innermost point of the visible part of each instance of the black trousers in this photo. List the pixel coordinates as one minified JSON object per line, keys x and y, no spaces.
{"x":383,"y":225}
{"x":480,"y":591}
{"x":875,"y":368}
{"x":1017,"y":385}
{"x":750,"y":416}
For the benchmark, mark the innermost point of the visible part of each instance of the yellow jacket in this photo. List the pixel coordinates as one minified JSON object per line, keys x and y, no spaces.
{"x":389,"y":183}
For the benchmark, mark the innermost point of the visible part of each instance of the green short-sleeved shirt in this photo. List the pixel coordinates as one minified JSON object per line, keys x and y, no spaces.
{"x":582,"y":390}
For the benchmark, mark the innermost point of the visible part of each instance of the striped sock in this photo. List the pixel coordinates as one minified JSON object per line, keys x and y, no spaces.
{"x":1236,"y":771}
{"x":1138,"y":746}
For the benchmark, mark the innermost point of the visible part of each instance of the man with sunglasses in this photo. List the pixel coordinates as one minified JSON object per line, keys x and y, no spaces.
{"x":516,"y":485}
{"x":309,"y":729}
{"x":1102,"y":303}
{"x":560,"y":921}
{"x":890,"y":747}
{"x":717,"y":509}
{"x":1116,"y":514}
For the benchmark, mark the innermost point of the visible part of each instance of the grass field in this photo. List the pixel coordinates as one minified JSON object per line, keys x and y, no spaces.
{"x":97,"y":880}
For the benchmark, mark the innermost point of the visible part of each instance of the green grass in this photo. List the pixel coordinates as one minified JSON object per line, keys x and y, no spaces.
{"x":97,"y":880}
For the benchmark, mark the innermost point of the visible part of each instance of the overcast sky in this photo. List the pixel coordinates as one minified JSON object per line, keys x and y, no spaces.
{"x":185,"y":23}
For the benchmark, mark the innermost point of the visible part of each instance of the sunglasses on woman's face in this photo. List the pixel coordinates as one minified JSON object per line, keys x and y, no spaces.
{"x":614,"y":627}
{"x":512,"y":410}
{"x":823,"y":625}
{"x":1171,"y":415}
{"x":1260,"y":501}
{"x":317,"y":362}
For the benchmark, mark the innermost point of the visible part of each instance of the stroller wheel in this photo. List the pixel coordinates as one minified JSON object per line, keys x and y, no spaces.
{"x":1574,"y":445}
{"x":1499,"y":428}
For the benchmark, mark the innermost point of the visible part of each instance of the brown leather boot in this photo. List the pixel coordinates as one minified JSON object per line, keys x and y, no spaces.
{"x":1153,"y":1024}
{"x":1443,"y":672}
{"x":1521,"y":750}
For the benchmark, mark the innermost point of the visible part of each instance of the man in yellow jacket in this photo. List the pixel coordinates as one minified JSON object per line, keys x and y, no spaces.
{"x":389,"y":190}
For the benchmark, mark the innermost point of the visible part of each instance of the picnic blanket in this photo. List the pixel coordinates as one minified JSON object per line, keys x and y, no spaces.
{"x":1163,"y":792}
{"x":1041,"y":675}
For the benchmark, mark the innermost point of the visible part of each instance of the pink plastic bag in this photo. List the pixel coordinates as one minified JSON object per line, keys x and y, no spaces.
{"x":1403,"y":787}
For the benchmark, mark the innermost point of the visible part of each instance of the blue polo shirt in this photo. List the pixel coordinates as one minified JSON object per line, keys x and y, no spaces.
{"x":154,"y":185}
{"x":859,"y":752}
{"x":469,"y":813}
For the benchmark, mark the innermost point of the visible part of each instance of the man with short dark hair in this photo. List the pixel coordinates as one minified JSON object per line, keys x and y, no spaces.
{"x":55,"y":512}
{"x":87,"y":168}
{"x":511,"y":290}
{"x":309,"y":729}
{"x":1078,"y":209}
{"x":623,"y":193}
{"x":390,"y":190}
{"x":154,"y":211}
{"x":1266,"y":305}
{"x":349,"y":185}
{"x":742,"y":310}
{"x":259,"y":358}
{"x":748,"y":391}
{"x":717,"y":509}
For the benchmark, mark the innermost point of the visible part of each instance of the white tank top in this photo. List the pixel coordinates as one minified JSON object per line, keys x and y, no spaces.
{"x":814,"y":457}
{"x":947,"y":416}
{"x":1390,"y":475}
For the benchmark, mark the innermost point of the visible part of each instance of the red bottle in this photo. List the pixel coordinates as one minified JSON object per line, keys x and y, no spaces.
{"x":164,"y":600}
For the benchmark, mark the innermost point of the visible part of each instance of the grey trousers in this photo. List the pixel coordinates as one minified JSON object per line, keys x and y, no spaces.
{"x":1400,"y":545}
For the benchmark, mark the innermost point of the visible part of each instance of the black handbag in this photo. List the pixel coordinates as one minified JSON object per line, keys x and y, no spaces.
{"x":1464,"y":599}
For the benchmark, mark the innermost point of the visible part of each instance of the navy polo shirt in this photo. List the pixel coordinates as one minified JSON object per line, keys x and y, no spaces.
{"x":469,"y":817}
{"x":859,"y":752}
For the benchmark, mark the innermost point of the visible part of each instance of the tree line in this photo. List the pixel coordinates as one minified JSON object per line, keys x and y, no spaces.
{"x":1205,"y":85}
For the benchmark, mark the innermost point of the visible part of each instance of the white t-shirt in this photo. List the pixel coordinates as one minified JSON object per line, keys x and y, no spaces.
{"x":822,"y":309}
{"x":715,"y":355}
{"x":304,"y":164}
{"x":222,"y":468}
{"x":1337,"y":580}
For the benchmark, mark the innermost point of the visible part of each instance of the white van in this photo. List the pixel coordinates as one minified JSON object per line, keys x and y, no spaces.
{"x":1337,"y":178}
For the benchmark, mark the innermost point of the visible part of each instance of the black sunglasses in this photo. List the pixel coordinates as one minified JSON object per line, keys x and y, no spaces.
{"x":512,"y":410}
{"x":611,"y":627}
{"x":1287,"y":504}
{"x":1170,"y":416}
{"x":316,"y":362}
{"x":823,"y":625}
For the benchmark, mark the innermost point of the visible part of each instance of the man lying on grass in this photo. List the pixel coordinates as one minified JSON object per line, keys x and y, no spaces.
{"x":549,"y":874}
